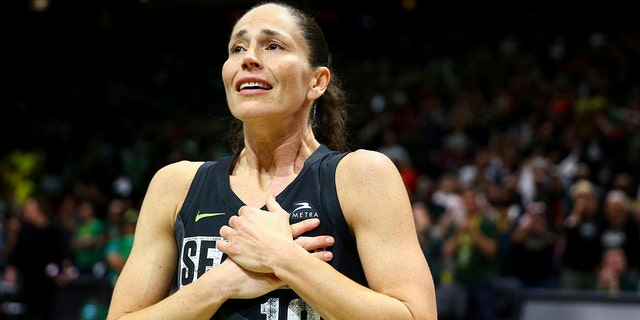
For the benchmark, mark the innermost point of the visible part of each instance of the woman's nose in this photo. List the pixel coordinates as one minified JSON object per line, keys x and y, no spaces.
{"x":251,"y":59}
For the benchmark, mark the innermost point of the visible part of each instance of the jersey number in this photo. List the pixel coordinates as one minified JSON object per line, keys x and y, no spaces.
{"x":297,"y":310}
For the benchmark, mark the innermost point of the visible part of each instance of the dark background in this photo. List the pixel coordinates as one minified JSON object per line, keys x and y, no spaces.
{"x":83,"y":74}
{"x":62,"y":62}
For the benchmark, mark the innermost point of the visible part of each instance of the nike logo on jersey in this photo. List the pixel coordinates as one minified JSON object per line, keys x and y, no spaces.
{"x":201,"y":215}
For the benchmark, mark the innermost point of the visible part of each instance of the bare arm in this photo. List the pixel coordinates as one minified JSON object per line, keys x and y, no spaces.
{"x":148,"y":273}
{"x":143,"y":287}
{"x":377,"y":207}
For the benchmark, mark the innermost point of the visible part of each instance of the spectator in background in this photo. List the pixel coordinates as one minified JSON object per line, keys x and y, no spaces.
{"x":472,"y":245}
{"x":478,"y":170}
{"x":400,"y":156}
{"x":39,"y":263}
{"x":504,"y":202}
{"x":533,"y":176}
{"x":624,"y":182}
{"x":66,"y":214}
{"x":116,"y":208}
{"x":582,"y":230}
{"x":533,"y":247}
{"x":430,"y":238}
{"x":447,"y":196}
{"x":393,"y":149}
{"x":10,"y":234}
{"x":620,"y":230}
{"x":118,"y":248}
{"x":88,"y":239}
{"x":614,"y":275}
{"x":9,"y":284}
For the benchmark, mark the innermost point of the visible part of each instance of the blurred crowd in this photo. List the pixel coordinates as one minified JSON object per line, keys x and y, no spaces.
{"x":522,"y":162}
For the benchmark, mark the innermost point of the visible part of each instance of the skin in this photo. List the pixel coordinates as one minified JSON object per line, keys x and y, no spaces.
{"x":265,"y":253}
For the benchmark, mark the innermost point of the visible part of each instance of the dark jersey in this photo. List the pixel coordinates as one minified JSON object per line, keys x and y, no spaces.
{"x":210,"y":203}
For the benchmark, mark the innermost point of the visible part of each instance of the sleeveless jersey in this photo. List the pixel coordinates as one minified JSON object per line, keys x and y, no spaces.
{"x":210,"y":203}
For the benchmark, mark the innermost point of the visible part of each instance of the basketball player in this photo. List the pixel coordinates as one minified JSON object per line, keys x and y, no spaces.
{"x":289,"y":226}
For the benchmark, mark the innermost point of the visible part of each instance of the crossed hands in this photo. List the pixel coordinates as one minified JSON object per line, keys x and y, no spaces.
{"x":256,"y":240}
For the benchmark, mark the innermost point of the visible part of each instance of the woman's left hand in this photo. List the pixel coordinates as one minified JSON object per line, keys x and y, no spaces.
{"x":256,"y":238}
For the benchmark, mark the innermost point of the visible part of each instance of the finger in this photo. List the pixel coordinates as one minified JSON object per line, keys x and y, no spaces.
{"x":303,"y":226}
{"x":323,"y":255}
{"x":315,"y":243}
{"x":232,"y":221}
{"x":225,"y":232}
{"x":273,"y":205}
{"x":244,"y":210}
{"x":317,"y":246}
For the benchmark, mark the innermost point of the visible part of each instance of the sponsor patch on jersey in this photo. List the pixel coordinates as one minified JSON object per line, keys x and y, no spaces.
{"x":303,"y":210}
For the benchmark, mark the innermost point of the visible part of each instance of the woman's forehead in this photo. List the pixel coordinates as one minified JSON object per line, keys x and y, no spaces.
{"x":268,"y":16}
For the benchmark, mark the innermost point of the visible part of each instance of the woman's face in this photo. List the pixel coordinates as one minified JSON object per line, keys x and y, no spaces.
{"x":267,"y":74}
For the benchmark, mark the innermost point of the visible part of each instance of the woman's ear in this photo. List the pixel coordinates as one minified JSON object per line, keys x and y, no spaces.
{"x":319,"y":83}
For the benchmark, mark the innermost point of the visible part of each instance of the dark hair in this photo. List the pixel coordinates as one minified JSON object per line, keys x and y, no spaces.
{"x":328,"y":117}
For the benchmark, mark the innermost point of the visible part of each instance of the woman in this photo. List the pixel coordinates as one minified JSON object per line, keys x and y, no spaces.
{"x":287,"y":227}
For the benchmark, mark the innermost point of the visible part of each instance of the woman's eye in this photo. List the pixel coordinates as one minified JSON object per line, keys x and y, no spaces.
{"x":273,"y":46}
{"x":236,"y":49}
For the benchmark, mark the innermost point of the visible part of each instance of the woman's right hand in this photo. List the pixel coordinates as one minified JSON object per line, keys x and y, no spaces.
{"x":255,"y":238}
{"x":247,"y":284}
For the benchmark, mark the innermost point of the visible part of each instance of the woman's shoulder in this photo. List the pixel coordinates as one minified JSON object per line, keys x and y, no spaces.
{"x":370,"y":161}
{"x":364,"y":168}
{"x":169,"y":186}
{"x":177,"y":174}
{"x":178,"y":169}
